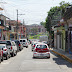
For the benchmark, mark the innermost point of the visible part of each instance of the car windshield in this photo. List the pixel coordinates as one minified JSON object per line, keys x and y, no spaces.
{"x":17,"y":42}
{"x":24,"y":41}
{"x":20,"y":40}
{"x":2,"y":47}
{"x":41,"y":46}
{"x":45,"y":42}
{"x":8,"y":43}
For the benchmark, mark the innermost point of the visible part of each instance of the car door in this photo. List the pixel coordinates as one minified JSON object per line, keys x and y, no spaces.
{"x":14,"y":46}
{"x":8,"y":50}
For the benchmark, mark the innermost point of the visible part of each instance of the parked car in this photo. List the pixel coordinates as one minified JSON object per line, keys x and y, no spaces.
{"x":34,"y":44}
{"x":19,"y":47}
{"x":6,"y":52}
{"x":1,"y":54}
{"x":24,"y":42}
{"x":41,"y":50}
{"x":10,"y":47}
{"x":14,"y":46}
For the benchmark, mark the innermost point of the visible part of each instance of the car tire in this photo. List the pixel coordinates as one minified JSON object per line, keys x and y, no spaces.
{"x":7,"y":57}
{"x":32,"y":50}
{"x":34,"y":57}
{"x":2,"y":59}
{"x":48,"y":57}
{"x":15,"y":53}
{"x":20,"y":49}
{"x":26,"y":46}
{"x":12,"y":54}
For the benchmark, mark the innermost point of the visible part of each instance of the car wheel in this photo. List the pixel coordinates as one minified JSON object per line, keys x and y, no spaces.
{"x":2,"y":59}
{"x":7,"y":57}
{"x":26,"y":46}
{"x":48,"y":57}
{"x":34,"y":57}
{"x":20,"y":49}
{"x":12,"y":54}
{"x":15,"y":53}
{"x":32,"y":50}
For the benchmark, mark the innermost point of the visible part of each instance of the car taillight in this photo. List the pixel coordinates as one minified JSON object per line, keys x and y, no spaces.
{"x":19,"y":45}
{"x":11,"y":47}
{"x":34,"y":46}
{"x":35,"y":50}
{"x":48,"y":50}
{"x":26,"y":43}
{"x":35,"y":53}
{"x":5,"y":49}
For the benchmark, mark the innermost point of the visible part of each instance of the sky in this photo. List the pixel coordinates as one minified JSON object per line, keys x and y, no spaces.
{"x":34,"y":11}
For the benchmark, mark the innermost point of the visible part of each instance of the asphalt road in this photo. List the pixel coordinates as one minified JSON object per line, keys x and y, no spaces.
{"x":24,"y":62}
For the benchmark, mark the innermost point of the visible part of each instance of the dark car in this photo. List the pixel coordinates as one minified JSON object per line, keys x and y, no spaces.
{"x":19,"y":48}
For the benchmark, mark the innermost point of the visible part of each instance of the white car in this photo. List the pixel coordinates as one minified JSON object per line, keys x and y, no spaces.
{"x":41,"y":50}
{"x":14,"y":46}
{"x":24,"y":42}
{"x":6,"y":52}
{"x":34,"y":44}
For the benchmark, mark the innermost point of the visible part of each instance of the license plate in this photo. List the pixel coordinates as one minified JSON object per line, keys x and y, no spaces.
{"x":41,"y":54}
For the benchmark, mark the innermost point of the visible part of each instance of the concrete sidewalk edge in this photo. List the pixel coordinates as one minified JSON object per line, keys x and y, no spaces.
{"x":63,"y":56}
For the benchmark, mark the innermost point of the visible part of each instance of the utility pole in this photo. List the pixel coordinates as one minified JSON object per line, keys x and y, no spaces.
{"x":17,"y":22}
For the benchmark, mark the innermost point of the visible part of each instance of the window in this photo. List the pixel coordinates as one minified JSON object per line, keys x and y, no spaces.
{"x":2,"y":47}
{"x":20,"y":40}
{"x":8,"y":43}
{"x":23,"y":40}
{"x":13,"y":44}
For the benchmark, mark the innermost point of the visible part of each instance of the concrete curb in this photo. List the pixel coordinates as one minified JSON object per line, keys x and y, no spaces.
{"x":63,"y":56}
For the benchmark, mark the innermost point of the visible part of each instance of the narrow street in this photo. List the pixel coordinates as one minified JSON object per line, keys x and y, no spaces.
{"x":24,"y":62}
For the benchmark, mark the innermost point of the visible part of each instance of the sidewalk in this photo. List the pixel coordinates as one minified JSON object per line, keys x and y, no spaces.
{"x":63,"y":54}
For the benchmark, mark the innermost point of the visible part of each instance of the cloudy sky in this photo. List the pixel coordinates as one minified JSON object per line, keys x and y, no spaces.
{"x":35,"y":10}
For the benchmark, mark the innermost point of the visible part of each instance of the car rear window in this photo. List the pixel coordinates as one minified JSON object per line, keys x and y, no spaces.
{"x":2,"y":47}
{"x":17,"y":42}
{"x":24,"y":41}
{"x":20,"y":40}
{"x":8,"y":43}
{"x":41,"y":46}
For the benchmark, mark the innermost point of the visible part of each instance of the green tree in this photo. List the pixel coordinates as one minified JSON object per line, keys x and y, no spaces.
{"x":55,"y":14}
{"x":43,"y":23}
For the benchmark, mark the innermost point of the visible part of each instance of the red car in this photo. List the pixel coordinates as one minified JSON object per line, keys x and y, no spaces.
{"x":1,"y":55}
{"x":41,"y":50}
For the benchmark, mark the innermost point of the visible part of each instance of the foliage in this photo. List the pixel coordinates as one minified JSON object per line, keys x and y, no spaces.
{"x":55,"y":14}
{"x":43,"y":23}
{"x":34,"y":30}
{"x":36,"y":36}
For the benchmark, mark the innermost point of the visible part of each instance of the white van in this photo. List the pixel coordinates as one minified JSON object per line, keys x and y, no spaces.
{"x":24,"y":42}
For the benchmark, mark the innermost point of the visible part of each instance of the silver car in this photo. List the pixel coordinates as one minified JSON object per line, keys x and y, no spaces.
{"x":6,"y":52}
{"x":41,"y":50}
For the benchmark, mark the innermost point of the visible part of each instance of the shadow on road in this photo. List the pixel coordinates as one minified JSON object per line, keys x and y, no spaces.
{"x":60,"y":61}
